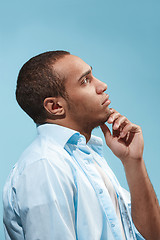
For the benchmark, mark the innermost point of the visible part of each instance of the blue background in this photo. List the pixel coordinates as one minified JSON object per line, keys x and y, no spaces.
{"x":120,"y":39}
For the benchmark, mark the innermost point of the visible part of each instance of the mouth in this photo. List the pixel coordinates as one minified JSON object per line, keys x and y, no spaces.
{"x":106,"y":100}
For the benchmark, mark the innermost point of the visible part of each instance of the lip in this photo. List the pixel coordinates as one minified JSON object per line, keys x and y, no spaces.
{"x":105,"y":100}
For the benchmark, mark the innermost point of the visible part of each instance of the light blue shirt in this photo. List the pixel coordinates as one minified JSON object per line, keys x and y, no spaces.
{"x":55,"y":192}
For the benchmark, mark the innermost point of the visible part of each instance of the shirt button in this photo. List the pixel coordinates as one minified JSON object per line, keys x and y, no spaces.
{"x":100,"y":191}
{"x":113,"y":225}
{"x":86,"y":162}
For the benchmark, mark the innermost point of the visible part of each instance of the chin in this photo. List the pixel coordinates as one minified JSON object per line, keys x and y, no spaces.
{"x":91,"y":124}
{"x":107,"y":115}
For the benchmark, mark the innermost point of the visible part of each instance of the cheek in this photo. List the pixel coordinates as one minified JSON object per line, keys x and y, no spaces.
{"x":87,"y":101}
{"x":93,"y":107}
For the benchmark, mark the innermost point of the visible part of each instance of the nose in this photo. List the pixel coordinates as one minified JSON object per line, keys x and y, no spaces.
{"x":100,"y":87}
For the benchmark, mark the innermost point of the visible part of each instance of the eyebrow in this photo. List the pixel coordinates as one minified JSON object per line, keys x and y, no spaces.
{"x":85,"y":73}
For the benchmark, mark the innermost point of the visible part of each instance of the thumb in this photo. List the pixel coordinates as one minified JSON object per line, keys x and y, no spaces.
{"x":107,"y":133}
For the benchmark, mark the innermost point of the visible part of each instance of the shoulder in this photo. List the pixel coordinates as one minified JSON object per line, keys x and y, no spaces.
{"x":42,"y":152}
{"x":42,"y":162}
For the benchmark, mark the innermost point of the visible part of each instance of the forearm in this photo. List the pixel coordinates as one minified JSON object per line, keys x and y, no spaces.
{"x":145,"y":208}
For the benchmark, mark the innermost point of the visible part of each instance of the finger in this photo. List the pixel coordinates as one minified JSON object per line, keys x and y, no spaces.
{"x":119,"y":122}
{"x":112,"y":110}
{"x":107,"y":133}
{"x":126,"y":129}
{"x":113,"y":117}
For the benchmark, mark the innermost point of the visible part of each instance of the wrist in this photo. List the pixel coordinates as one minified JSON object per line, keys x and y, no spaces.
{"x":136,"y":173}
{"x":131,"y":163}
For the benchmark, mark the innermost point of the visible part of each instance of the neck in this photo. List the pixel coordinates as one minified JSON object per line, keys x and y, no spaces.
{"x":87,"y":135}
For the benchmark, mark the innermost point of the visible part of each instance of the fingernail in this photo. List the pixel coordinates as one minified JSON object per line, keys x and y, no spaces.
{"x":122,"y":134}
{"x":116,"y":125}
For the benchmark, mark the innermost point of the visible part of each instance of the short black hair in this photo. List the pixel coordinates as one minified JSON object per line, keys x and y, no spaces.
{"x":36,"y":81}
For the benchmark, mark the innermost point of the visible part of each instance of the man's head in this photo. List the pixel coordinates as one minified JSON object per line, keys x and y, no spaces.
{"x":58,"y":87}
{"x":38,"y":80}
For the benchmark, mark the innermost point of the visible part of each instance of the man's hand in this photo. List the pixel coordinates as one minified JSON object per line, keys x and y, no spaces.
{"x":126,"y":141}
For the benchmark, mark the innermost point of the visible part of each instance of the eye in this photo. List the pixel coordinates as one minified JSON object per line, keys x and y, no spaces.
{"x":85,"y":80}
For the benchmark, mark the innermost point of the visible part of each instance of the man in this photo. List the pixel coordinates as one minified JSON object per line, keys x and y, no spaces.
{"x":62,"y":187}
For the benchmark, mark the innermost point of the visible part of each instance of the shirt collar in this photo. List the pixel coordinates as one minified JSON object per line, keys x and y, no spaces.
{"x":62,"y":135}
{"x":56,"y":132}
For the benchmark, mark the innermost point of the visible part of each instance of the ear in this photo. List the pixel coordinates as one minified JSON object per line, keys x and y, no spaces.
{"x":54,"y":106}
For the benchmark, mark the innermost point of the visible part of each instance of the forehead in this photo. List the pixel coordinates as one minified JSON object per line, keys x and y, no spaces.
{"x":70,"y":67}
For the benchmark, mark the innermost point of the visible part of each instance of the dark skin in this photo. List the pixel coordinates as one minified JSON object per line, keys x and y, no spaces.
{"x":88,"y":107}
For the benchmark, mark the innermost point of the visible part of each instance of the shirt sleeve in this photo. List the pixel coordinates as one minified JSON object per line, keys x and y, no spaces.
{"x":45,"y":197}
